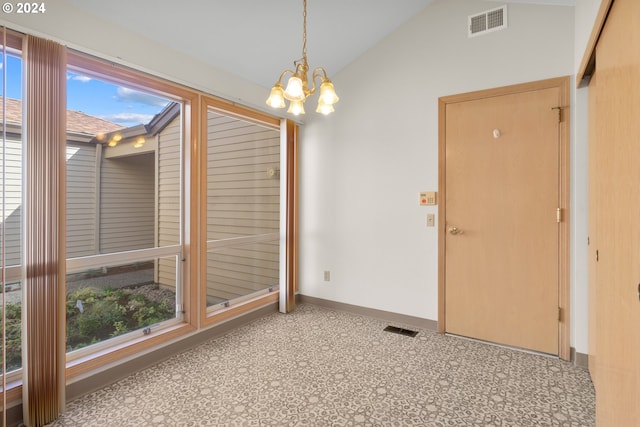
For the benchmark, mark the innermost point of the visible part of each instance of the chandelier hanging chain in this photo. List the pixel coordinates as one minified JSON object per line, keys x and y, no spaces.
{"x":304,"y":30}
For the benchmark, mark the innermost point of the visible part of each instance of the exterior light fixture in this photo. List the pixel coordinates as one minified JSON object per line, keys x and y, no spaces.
{"x":298,"y":89}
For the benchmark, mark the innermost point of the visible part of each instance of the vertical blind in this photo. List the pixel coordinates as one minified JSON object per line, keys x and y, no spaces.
{"x":44,"y":254}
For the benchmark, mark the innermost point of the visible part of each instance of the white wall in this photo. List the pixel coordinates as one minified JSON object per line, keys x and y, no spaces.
{"x":585,"y":16}
{"x":363,"y":167}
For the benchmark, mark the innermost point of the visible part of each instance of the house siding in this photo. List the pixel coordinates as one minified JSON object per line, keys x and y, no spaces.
{"x":169,"y":162}
{"x":81,"y":200}
{"x":242,"y":200}
{"x":127,"y":203}
{"x":13,"y":198}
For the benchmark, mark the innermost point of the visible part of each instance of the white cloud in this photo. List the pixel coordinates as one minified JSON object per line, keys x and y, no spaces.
{"x":83,"y":79}
{"x":130,"y":95}
{"x":78,"y":77}
{"x":128,"y":119}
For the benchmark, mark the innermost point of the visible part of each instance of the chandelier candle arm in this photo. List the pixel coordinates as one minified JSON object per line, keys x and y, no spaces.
{"x":298,"y":89}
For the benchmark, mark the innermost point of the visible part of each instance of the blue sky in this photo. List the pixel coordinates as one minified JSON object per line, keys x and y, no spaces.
{"x":95,"y":97}
{"x":114,"y":103}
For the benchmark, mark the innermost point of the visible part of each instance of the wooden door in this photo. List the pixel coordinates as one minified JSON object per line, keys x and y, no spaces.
{"x":502,"y":231}
{"x":615,"y":100}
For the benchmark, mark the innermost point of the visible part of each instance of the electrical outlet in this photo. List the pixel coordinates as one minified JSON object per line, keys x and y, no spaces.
{"x":327,"y":276}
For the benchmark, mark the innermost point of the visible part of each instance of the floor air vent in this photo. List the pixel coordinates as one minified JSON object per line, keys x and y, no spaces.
{"x":401,"y":331}
{"x":485,"y":22}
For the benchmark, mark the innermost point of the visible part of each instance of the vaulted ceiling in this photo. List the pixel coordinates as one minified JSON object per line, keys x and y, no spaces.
{"x":258,"y":39}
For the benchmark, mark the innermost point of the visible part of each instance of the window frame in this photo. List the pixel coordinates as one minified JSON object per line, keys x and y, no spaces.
{"x":114,"y":350}
{"x":214,"y":314}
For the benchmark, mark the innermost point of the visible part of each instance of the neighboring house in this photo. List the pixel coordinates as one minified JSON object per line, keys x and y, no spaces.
{"x":82,"y":197}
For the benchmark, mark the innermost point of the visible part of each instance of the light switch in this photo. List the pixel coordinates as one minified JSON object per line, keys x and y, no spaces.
{"x":428,"y":198}
{"x":431,"y":220}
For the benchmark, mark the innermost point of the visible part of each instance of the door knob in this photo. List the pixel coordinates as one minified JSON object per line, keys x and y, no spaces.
{"x":454,"y":230}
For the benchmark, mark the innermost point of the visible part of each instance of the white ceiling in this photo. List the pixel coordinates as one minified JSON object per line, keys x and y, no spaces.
{"x":258,"y":39}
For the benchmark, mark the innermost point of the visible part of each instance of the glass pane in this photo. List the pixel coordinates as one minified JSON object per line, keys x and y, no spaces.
{"x":243,"y":201}
{"x":13,"y":313}
{"x":11,"y":204}
{"x":11,"y":167}
{"x":106,"y":302}
{"x":123,"y":169}
{"x":238,"y":271}
{"x":124,"y":193}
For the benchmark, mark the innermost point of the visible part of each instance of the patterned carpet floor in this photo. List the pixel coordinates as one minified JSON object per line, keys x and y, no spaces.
{"x":319,"y":367}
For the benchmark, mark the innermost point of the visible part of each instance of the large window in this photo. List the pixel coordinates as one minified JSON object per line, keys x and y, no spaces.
{"x":11,"y":206}
{"x":124,"y":210}
{"x":174,"y":214}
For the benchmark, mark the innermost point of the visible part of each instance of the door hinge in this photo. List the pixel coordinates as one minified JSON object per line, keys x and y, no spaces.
{"x":559,"y":109}
{"x":558,"y":215}
{"x":559,"y":314}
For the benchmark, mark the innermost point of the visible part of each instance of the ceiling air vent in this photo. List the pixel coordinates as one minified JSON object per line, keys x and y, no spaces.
{"x":485,"y":22}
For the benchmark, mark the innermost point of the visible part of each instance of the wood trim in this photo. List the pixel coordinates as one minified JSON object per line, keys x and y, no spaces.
{"x":116,"y":354}
{"x":229,"y":108}
{"x":504,"y":90}
{"x":564,"y":250}
{"x":587,"y":65}
{"x":192,"y":245}
{"x":564,"y":286}
{"x":202,"y":209}
{"x":12,"y":38}
{"x":291,"y":281}
{"x":442,"y":213}
{"x":14,"y":393}
{"x":237,"y":310}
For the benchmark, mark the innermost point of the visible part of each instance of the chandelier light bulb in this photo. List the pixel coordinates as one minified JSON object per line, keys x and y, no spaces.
{"x":296,"y":108}
{"x":328,"y":93}
{"x":325,"y":109}
{"x":276,"y":98}
{"x":294,"y":90}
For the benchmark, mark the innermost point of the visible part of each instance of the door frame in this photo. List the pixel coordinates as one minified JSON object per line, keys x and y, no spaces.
{"x":562,"y":83}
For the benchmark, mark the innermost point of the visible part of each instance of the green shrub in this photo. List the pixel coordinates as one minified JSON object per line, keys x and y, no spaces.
{"x":14,"y":336}
{"x":108,"y":313}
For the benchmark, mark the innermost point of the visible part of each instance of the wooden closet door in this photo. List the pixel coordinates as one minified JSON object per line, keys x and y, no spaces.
{"x":617,"y":112}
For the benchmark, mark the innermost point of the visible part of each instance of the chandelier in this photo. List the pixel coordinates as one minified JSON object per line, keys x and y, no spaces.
{"x":298,"y":89}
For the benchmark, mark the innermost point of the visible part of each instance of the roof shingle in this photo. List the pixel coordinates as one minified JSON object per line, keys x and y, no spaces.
{"x":77,"y":122}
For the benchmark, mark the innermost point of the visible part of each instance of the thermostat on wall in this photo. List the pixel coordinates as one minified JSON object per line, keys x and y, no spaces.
{"x":428,"y":198}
